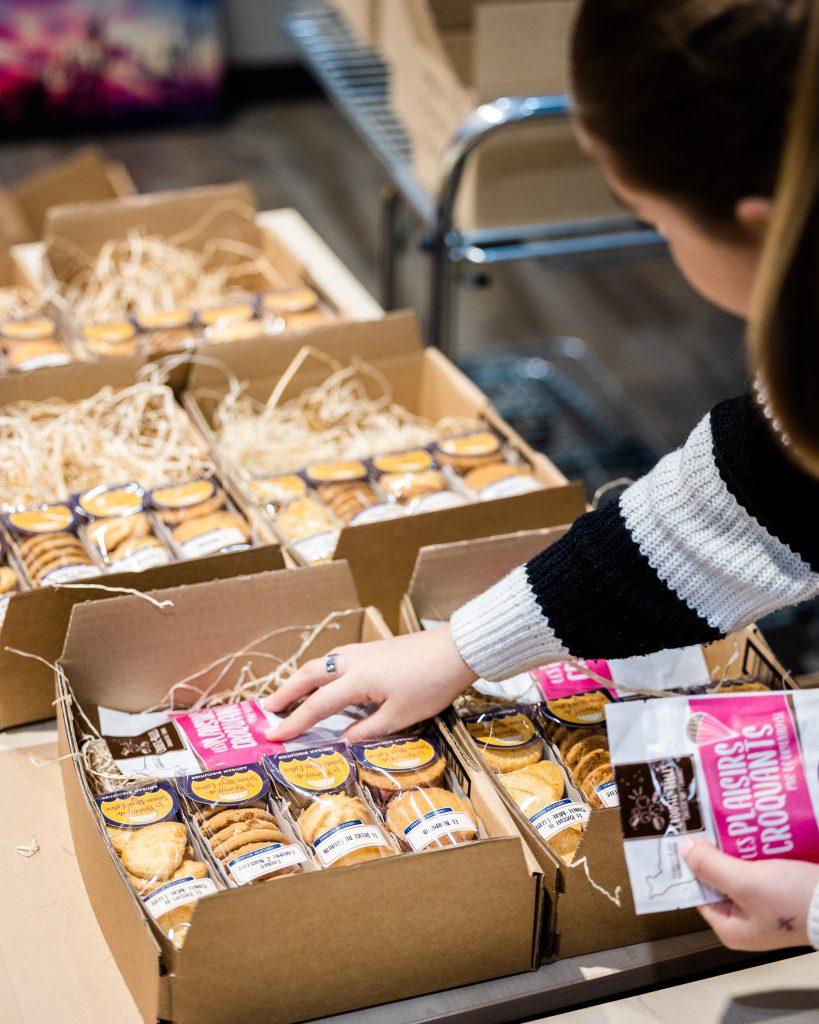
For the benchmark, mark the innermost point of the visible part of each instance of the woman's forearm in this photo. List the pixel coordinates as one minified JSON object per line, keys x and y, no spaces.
{"x":718,"y":534}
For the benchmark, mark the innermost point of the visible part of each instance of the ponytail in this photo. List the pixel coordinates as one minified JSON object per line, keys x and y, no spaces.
{"x":783,"y":335}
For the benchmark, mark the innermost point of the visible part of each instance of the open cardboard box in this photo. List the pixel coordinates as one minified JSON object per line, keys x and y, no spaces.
{"x":307,"y":945}
{"x":36,"y":619}
{"x":449,"y":56}
{"x":217,"y":212}
{"x":584,"y":919}
{"x":86,"y":174}
{"x":423,"y":380}
{"x":362,"y":18}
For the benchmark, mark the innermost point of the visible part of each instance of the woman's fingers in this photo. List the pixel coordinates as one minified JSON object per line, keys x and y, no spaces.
{"x":308,"y":678}
{"x":324,"y":702}
{"x":715,"y":868}
{"x":379,"y":723}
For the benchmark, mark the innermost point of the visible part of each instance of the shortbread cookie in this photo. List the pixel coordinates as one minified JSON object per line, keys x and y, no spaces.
{"x":589,"y":763}
{"x":155,"y":851}
{"x":328,"y":812}
{"x":573,"y":756}
{"x":510,"y":759}
{"x":8,"y":580}
{"x":219,"y":820}
{"x":598,"y":777}
{"x":200,"y":525}
{"x":408,"y":810}
{"x":260,"y":833}
{"x":565,"y":843}
{"x":118,"y":837}
{"x":543,"y":779}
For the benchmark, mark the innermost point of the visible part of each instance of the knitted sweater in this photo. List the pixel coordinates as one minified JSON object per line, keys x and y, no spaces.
{"x":718,"y":534}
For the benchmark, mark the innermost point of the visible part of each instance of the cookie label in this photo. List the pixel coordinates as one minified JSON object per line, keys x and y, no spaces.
{"x":145,"y":558}
{"x":443,"y":821}
{"x":185,"y":495}
{"x":69,"y":573}
{"x":48,"y":519}
{"x":316,"y":773}
{"x":607,"y":792}
{"x":221,"y":540}
{"x":336,"y":472}
{"x":509,"y":487}
{"x":227,"y":787}
{"x":502,"y":729}
{"x":135,"y":808}
{"x":404,"y":462}
{"x":317,"y":548}
{"x":271,"y":859}
{"x":400,"y":755}
{"x":377,"y":513}
{"x":177,"y":893}
{"x":345,"y":838}
{"x":104,"y":503}
{"x":438,"y":501}
{"x":550,"y":821}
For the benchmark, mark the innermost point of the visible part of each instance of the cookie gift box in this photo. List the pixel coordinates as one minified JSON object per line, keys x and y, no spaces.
{"x":389,"y":928}
{"x":581,"y":918}
{"x":36,"y":619}
{"x":300,"y":257}
{"x":381,"y":554}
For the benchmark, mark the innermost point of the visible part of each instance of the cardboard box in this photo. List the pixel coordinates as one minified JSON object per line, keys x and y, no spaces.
{"x":35,"y":620}
{"x":423,"y":380}
{"x":344,"y":938}
{"x":84,"y":175}
{"x":216,"y":212}
{"x":584,"y":919}
{"x":449,"y":56}
{"x":362,"y":18}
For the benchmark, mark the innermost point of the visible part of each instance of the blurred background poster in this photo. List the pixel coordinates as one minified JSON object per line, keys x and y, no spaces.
{"x":80,"y":63}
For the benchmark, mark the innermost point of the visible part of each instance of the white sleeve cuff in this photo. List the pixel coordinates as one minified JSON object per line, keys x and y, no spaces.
{"x":503,"y":631}
{"x":813,"y":919}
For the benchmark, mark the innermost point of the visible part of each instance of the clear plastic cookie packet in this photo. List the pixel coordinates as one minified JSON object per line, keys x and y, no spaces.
{"x":33,"y":343}
{"x":239,"y":823}
{"x":415,"y":481}
{"x":309,"y":529}
{"x":119,"y":530}
{"x":11,"y":582}
{"x":423,"y":804}
{"x":110,"y":338}
{"x":346,"y":490}
{"x":157,"y":854}
{"x":167,"y":330}
{"x":585,"y":754}
{"x":47,"y":544}
{"x":330,"y":811}
{"x":200,"y":519}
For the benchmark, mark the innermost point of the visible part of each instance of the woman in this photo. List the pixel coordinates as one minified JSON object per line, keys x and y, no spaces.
{"x":704,"y":116}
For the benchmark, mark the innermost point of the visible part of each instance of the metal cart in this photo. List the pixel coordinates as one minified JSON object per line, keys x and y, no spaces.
{"x":357,"y":80}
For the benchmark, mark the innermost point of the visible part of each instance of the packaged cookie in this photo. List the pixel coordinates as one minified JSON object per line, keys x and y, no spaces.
{"x":413,"y":480}
{"x":288,"y":301}
{"x":585,"y":754}
{"x":115,"y":338}
{"x":33,"y":328}
{"x":119,"y":530}
{"x":200,"y":519}
{"x":154,"y":847}
{"x":331,"y":813}
{"x":430,"y":818}
{"x":576,"y":693}
{"x":48,"y":546}
{"x":346,"y":491}
{"x":465,"y":452}
{"x":308,"y":527}
{"x":222,"y":333}
{"x":274,"y":492}
{"x":540,"y":792}
{"x":10,"y":580}
{"x":391,"y":766}
{"x":507,"y":738}
{"x":222,"y":315}
{"x":232,"y":812}
{"x":499,"y":480}
{"x":167,"y":330}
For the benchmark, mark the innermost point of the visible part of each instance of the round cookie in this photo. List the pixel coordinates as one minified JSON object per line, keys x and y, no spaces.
{"x":483,"y":476}
{"x":219,"y":820}
{"x":565,"y":843}
{"x":8,"y":580}
{"x":588,"y":763}
{"x":293,"y":300}
{"x":329,"y":811}
{"x":200,"y":525}
{"x":269,"y":834}
{"x":155,"y":851}
{"x":407,"y":808}
{"x":386,"y":784}
{"x":601,"y":774}
{"x":172,"y":516}
{"x":597,"y":741}
{"x":510,"y":759}
{"x":543,"y":779}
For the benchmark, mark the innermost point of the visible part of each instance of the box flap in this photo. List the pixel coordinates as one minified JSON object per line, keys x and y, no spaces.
{"x":85,"y":175}
{"x":217,"y":211}
{"x":446,"y":575}
{"x":263,"y":362}
{"x":70,"y":383}
{"x":144,"y":652}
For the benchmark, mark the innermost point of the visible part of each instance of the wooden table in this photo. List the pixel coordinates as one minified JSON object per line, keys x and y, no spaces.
{"x":55,"y":965}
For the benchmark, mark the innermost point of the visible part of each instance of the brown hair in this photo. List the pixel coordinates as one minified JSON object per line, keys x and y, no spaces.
{"x":704,"y":101}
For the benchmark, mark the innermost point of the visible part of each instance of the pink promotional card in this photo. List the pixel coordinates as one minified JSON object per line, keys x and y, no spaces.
{"x":227,"y":735}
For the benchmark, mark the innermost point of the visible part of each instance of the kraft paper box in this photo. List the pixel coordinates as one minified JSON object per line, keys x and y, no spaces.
{"x":447,"y":58}
{"x":423,"y":380}
{"x":583,"y":919}
{"x":386,"y":929}
{"x":87,"y":174}
{"x":36,"y":620}
{"x":362,"y":18}
{"x":293,"y":248}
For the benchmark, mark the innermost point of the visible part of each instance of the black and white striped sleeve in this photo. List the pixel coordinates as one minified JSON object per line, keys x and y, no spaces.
{"x":721,"y":532}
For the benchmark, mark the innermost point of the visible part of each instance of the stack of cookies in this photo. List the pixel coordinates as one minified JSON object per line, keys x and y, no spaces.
{"x":47,"y":545}
{"x":328,"y":815}
{"x":413,"y":479}
{"x":30,"y":344}
{"x":200,"y":519}
{"x":536,"y":787}
{"x":585,"y":753}
{"x":117,"y":338}
{"x":307,"y":526}
{"x":166,"y":330}
{"x":127,"y":541}
{"x":234,"y":833}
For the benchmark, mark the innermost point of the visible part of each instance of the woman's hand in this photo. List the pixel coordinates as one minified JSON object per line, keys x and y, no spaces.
{"x":767,"y":900}
{"x":411,"y":677}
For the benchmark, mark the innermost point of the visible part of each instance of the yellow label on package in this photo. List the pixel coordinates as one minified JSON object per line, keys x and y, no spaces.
{"x":185,"y":495}
{"x":504,"y":730}
{"x":235,"y":787}
{"x":318,"y":773}
{"x":117,"y":502}
{"x":401,"y":757}
{"x":52,"y":519}
{"x":141,"y":807}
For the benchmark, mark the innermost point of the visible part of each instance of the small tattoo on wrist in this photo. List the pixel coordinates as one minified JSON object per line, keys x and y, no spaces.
{"x":786,"y":924}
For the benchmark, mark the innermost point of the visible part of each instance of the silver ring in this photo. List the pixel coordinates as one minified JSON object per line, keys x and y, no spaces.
{"x":330,"y":664}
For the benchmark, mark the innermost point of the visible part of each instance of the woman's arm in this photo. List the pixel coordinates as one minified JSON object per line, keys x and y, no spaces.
{"x":719,"y":533}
